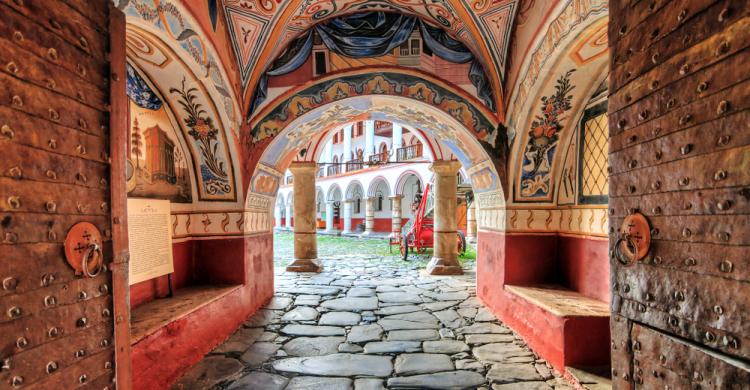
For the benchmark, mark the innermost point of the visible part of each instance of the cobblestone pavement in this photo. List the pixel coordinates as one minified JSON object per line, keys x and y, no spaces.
{"x":369,"y":322}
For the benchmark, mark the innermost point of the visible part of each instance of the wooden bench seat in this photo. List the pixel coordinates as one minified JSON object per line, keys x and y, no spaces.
{"x":561,"y":301}
{"x":152,"y":316}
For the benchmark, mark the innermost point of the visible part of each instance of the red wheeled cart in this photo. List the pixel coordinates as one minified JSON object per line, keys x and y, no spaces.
{"x":419,"y":231}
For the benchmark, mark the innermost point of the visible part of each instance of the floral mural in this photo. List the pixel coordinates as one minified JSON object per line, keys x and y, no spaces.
{"x":203,"y":132}
{"x":543,"y":139}
{"x":157,"y":165}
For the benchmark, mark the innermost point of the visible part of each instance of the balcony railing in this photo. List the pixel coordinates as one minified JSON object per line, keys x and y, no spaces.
{"x":409,"y":152}
{"x":379,"y":158}
{"x":333,"y":170}
{"x":354,"y":165}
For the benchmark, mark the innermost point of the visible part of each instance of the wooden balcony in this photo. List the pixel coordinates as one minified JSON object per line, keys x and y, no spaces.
{"x":378,"y":158}
{"x":354,"y":165}
{"x":409,"y":153}
{"x":333,"y":170}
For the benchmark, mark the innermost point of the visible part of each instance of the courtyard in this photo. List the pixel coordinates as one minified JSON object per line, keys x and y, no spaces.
{"x":371,"y":321}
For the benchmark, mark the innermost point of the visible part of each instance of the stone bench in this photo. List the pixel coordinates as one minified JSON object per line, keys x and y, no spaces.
{"x":571,"y":328}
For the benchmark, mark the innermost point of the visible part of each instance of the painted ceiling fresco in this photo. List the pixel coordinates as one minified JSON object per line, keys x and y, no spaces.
{"x":550,"y":101}
{"x":176,"y":26}
{"x":261,"y":29}
{"x":398,"y":82}
{"x":186,"y":96}
{"x":158,"y":165}
{"x":315,"y":123}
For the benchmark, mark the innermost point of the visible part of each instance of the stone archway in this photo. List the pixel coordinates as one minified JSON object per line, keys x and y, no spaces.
{"x":297,"y":141}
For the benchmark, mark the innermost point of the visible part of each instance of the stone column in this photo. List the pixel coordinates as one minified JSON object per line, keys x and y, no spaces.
{"x":305,"y":244}
{"x":369,"y":215}
{"x":329,"y":217}
{"x":395,"y":215}
{"x":369,"y":140}
{"x":288,"y":221}
{"x":471,"y":222}
{"x":277,"y":216}
{"x":396,"y":141}
{"x":445,"y":256}
{"x":347,"y":216}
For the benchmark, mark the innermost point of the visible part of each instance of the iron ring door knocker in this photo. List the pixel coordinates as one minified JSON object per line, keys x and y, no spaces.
{"x":632,"y":249}
{"x":93,"y":249}
{"x":83,"y":249}
{"x":635,"y":239}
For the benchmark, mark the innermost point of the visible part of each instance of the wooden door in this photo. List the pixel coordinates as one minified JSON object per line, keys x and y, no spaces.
{"x":679,"y":154}
{"x":62,"y":109}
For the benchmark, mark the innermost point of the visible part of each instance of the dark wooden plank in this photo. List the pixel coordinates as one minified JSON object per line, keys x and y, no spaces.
{"x":119,"y":126}
{"x":684,"y":64}
{"x":52,"y":48}
{"x":23,"y":129}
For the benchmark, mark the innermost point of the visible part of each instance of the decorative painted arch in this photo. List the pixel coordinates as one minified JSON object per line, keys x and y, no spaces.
{"x":201,"y":119}
{"x":261,"y":30}
{"x":176,"y":27}
{"x":333,"y":191}
{"x":484,"y":164}
{"x":375,"y":183}
{"x":403,"y":177}
{"x":547,"y":120}
{"x":392,"y":81}
{"x":352,"y":187}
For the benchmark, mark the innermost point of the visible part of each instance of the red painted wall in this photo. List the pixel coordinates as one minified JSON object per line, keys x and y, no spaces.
{"x":584,"y":265}
{"x":382,"y":225}
{"x":160,"y":358}
{"x":147,"y":291}
{"x":526,"y":259}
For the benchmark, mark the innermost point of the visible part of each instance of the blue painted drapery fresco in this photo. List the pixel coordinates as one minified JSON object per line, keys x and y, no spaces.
{"x":139,"y":92}
{"x":374,"y":34}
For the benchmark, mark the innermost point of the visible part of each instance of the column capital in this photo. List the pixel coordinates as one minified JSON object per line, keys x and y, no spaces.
{"x":445,"y":167}
{"x":303,"y":167}
{"x":395,"y":197}
{"x":349,"y":201}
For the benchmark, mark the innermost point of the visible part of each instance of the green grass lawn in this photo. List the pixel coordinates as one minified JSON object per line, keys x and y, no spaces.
{"x":333,"y":247}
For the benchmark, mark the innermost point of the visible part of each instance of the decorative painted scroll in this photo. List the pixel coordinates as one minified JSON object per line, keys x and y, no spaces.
{"x":540,"y":150}
{"x":409,"y":84}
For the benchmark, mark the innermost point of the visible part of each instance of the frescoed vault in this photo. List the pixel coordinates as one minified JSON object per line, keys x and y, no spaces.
{"x":202,"y":120}
{"x":295,"y":141}
{"x":260,"y":30}
{"x":550,"y":96}
{"x":395,"y":82}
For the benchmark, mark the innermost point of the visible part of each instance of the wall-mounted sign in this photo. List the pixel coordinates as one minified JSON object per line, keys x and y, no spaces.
{"x":150,"y":239}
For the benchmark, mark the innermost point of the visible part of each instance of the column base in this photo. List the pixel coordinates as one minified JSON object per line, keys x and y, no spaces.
{"x":472,"y":239}
{"x":438,"y":266}
{"x":367,"y":233}
{"x":305,"y":265}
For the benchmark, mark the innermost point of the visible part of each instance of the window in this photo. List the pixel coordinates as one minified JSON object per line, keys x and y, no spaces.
{"x":404,"y":49}
{"x":357,"y":205}
{"x":593,"y":183}
{"x":336,"y":138}
{"x":320,"y":64}
{"x":415,"y":47}
{"x":378,"y":201}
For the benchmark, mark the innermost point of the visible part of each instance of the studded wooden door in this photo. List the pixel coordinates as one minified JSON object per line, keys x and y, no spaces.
{"x":680,"y":155}
{"x":62,"y":108}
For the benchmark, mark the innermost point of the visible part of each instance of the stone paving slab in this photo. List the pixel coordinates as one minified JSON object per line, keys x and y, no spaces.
{"x":338,"y":364}
{"x":368,"y":322}
{"x":422,"y":363}
{"x":392,"y":346}
{"x":314,"y":382}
